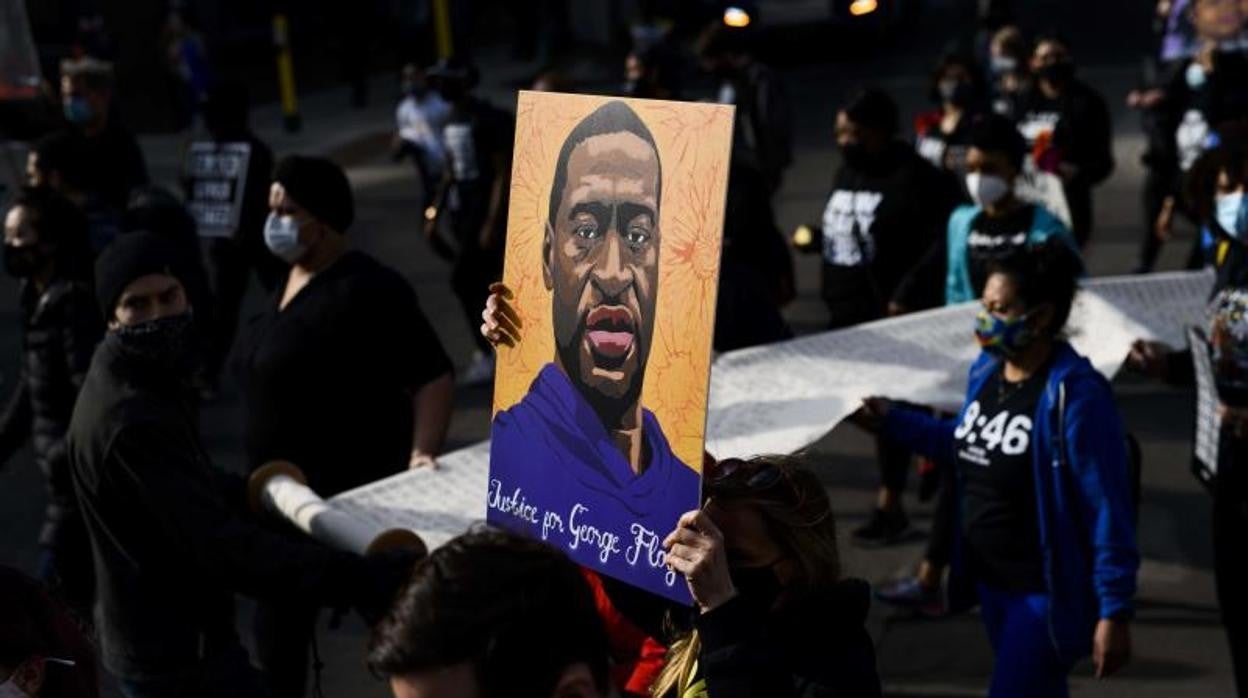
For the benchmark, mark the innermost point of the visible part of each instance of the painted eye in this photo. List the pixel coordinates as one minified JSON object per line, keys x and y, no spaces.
{"x":637,"y":236}
{"x":587,"y":231}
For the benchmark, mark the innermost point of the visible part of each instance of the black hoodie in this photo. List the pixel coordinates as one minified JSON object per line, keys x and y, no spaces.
{"x":881,"y":220}
{"x":815,"y":646}
{"x":169,"y":550}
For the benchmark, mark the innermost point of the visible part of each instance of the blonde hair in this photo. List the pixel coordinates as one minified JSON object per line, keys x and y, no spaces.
{"x":798,"y":515}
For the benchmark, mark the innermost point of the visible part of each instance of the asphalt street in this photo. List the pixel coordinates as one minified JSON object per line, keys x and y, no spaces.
{"x":1180,"y":649}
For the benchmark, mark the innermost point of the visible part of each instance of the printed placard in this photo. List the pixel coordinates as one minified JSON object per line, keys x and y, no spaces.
{"x":216,"y":181}
{"x":613,"y":246}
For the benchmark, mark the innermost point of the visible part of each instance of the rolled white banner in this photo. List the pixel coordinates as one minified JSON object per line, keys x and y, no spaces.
{"x":280,"y":488}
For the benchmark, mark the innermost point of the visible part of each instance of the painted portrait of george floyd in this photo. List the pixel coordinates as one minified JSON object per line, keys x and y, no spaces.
{"x":613,"y":245}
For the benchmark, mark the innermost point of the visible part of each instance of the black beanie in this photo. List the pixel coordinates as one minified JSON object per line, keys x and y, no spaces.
{"x":320,"y":187}
{"x":130,"y":256}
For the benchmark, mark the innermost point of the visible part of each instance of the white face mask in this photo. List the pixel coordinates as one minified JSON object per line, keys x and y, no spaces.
{"x":1231,"y":211}
{"x":1195,"y":76}
{"x":986,"y":190}
{"x":281,"y":236}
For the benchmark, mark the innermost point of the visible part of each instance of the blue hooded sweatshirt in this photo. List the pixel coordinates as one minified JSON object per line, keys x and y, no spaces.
{"x":958,"y":287}
{"x":1083,"y":496}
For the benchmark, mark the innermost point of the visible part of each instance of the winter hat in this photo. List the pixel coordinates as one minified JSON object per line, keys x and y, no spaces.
{"x":320,"y":187}
{"x":129,"y":257}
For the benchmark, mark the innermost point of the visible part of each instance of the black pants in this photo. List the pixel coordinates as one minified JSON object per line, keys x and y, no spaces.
{"x":1157,"y":186}
{"x":1079,"y":199}
{"x":1230,"y":551}
{"x":284,"y":631}
{"x":231,"y":268}
{"x":940,"y":540}
{"x":475,"y":268}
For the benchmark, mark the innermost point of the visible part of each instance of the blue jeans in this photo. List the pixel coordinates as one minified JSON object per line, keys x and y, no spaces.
{"x":1027,"y":664}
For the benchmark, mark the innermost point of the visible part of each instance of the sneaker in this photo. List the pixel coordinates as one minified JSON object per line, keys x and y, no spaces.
{"x":480,"y":372}
{"x":884,"y":528}
{"x":909,"y":593}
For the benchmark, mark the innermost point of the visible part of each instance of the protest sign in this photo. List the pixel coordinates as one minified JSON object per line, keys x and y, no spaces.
{"x":216,"y":182}
{"x":1208,"y":421}
{"x":613,"y":246}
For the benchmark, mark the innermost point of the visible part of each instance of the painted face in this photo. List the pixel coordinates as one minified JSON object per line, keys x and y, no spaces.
{"x":602,"y":265}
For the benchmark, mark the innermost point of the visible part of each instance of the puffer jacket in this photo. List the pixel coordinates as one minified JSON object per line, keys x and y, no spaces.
{"x":60,"y":330}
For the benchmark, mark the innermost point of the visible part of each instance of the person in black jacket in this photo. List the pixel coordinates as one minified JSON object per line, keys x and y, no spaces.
{"x":1067,"y":125}
{"x":887,"y":209}
{"x":169,"y":549}
{"x":774,"y":617}
{"x":764,"y":116}
{"x":112,"y":163}
{"x":46,"y":249}
{"x":883,"y":251}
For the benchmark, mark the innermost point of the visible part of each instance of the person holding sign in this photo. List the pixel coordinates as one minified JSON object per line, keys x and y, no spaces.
{"x":1220,"y":203}
{"x":775,"y":617}
{"x":581,"y":433}
{"x":1047,"y":539}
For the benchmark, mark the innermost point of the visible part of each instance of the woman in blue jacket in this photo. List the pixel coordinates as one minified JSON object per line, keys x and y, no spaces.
{"x":1044,"y":511}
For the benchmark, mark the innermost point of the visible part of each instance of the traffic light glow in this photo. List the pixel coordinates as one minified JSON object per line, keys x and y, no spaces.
{"x":736,"y":17}
{"x":859,"y":8}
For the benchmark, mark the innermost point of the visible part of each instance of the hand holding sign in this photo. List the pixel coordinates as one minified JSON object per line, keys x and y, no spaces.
{"x":696,"y":550}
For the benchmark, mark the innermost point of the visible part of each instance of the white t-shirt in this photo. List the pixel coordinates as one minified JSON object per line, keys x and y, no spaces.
{"x":421,"y":122}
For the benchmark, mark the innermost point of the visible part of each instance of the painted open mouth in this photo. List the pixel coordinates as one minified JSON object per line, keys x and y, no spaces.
{"x":611,"y":334}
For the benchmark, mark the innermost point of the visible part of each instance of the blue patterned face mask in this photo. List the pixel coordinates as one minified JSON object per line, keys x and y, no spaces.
{"x":1003,"y":337}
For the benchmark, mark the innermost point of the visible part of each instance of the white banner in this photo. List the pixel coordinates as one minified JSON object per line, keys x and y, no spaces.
{"x":783,"y":397}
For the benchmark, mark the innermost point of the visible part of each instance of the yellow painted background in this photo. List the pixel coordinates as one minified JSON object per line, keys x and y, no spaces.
{"x":694,"y":142}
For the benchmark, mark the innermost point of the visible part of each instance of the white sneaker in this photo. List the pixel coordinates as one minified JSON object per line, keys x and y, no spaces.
{"x":480,"y":372}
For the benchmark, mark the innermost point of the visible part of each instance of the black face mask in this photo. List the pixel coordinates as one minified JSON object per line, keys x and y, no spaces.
{"x":21,"y":262}
{"x":1058,"y":73}
{"x":855,"y":155}
{"x":956,"y":92}
{"x":756,"y":584}
{"x":167,"y":343}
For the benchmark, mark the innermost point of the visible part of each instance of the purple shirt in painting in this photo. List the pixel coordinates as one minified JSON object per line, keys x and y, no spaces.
{"x":555,"y":474}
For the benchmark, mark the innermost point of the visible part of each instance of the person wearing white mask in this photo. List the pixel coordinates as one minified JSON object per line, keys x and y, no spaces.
{"x":342,"y":373}
{"x":997,"y":223}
